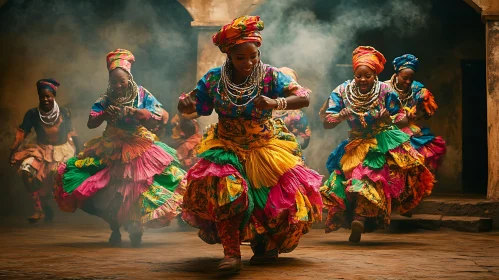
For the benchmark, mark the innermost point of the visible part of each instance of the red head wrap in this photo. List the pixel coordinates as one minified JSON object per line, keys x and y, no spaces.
{"x":370,"y":57}
{"x":241,"y":30}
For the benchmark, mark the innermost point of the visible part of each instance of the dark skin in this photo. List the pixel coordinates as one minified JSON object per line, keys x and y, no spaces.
{"x":364,"y":78}
{"x":46,"y":99}
{"x":405,"y":77}
{"x":119,"y":82}
{"x":244,"y":57}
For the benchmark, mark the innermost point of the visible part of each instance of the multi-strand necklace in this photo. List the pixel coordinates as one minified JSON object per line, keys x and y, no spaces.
{"x":404,"y":96}
{"x":360,"y":103}
{"x":51,"y":117}
{"x":125,"y":100}
{"x":242,"y":94}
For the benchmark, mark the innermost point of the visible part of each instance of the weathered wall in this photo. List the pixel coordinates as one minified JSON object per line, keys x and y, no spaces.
{"x":493,"y":106}
{"x":69,"y":40}
{"x":314,"y":37}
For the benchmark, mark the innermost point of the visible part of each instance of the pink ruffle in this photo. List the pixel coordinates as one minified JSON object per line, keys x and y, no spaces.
{"x":205,"y":168}
{"x":393,"y":186}
{"x":91,"y":186}
{"x":150,"y":163}
{"x":282,"y":196}
{"x":433,"y":151}
{"x":130,"y":191}
{"x":407,"y":130}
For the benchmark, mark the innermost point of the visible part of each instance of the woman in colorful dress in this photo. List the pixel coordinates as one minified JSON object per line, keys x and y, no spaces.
{"x":295,"y":120}
{"x":418,"y":103}
{"x":56,"y":142}
{"x":376,"y":163}
{"x":185,"y":138}
{"x":127,"y":177}
{"x":250,"y":183}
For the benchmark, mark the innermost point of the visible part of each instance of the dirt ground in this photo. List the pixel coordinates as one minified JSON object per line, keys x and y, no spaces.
{"x":75,"y":247}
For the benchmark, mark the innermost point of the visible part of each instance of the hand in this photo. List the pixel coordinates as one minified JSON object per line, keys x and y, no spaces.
{"x":112,"y":112}
{"x":129,"y":111}
{"x":264,"y":103}
{"x":384,"y":115}
{"x":186,"y":103}
{"x":411,"y":115}
{"x":345,"y":113}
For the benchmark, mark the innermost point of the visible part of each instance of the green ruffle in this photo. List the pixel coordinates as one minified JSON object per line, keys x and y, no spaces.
{"x":390,"y":139}
{"x":171,"y":151}
{"x":74,"y":176}
{"x":258,"y":196}
{"x":335,"y":187}
{"x":375,"y":159}
{"x":170,"y":178}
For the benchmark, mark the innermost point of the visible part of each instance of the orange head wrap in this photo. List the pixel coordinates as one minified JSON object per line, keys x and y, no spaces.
{"x":370,"y":57}
{"x":241,"y":30}
{"x":120,"y":58}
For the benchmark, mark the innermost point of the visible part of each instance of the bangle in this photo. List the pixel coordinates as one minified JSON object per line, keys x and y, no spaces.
{"x":285,"y":104}
{"x":282,"y":104}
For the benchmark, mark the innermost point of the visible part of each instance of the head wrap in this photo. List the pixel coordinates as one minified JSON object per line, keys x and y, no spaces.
{"x":370,"y":57}
{"x":120,"y":58}
{"x":241,"y":30}
{"x":407,"y":61}
{"x":50,"y":84}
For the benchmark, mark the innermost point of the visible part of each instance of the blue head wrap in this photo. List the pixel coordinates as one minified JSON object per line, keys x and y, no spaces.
{"x":406,"y":61}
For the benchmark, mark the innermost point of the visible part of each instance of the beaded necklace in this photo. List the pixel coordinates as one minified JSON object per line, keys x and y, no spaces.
{"x":360,"y":103}
{"x":125,"y":100}
{"x":242,"y":94}
{"x":404,"y":96}
{"x":51,"y":117}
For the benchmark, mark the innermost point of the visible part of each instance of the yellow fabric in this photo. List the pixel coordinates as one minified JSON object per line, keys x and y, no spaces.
{"x":229,"y":188}
{"x":406,"y":160}
{"x":264,"y":157}
{"x":355,"y":153}
{"x":302,"y":205}
{"x":374,"y":193}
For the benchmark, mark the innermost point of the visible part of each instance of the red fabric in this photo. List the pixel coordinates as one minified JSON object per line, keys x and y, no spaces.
{"x":370,"y":57}
{"x":228,"y":231}
{"x":243,"y":29}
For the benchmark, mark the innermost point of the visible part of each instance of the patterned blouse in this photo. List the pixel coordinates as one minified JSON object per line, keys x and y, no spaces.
{"x":275,"y":84}
{"x":144,"y":100}
{"x":387,"y":99}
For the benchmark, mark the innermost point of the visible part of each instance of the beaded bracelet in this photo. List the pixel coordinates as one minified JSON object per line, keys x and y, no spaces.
{"x":282,"y":104}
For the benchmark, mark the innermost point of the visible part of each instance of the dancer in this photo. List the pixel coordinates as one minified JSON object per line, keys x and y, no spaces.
{"x":127,"y":177}
{"x":56,"y":142}
{"x":376,"y":163}
{"x":250,"y":183}
{"x":418,"y":103}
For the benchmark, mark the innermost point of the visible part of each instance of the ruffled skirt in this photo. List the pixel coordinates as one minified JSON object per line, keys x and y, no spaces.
{"x":126,"y":176}
{"x":42,"y":162}
{"x":253,"y":170}
{"x":369,"y":176}
{"x":430,"y":146}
